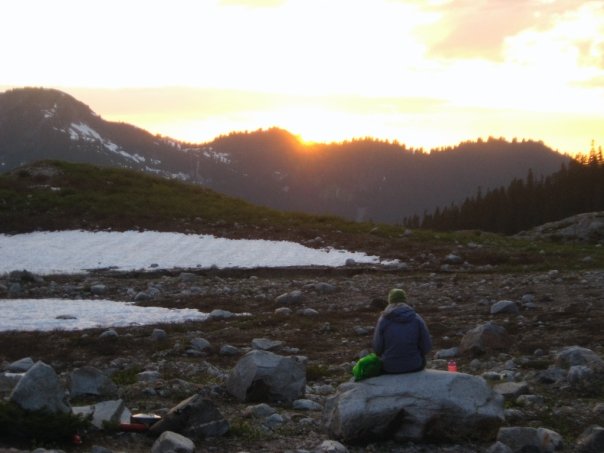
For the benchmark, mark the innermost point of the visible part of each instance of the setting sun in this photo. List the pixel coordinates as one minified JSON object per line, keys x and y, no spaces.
{"x":425,"y":73}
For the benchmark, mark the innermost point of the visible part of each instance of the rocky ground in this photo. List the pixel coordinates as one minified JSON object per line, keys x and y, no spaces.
{"x":330,"y":320}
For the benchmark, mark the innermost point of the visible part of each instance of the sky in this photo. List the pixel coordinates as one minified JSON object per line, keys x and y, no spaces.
{"x":427,"y":73}
{"x":69,"y":252}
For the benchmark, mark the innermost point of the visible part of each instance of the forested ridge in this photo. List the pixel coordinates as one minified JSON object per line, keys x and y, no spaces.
{"x":576,"y":188}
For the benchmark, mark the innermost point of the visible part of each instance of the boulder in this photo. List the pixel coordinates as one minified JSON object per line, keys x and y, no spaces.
{"x":196,"y":417}
{"x":484,"y":338}
{"x":511,"y":390}
{"x":576,"y":355}
{"x":521,"y":439}
{"x":170,"y":442}
{"x":90,"y":381}
{"x":104,"y":412}
{"x":293,"y":297}
{"x":262,"y":376}
{"x":21,"y":365}
{"x":591,"y":440}
{"x":40,"y":389}
{"x":429,"y":404}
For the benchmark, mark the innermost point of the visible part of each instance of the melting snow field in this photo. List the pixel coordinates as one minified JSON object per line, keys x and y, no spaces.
{"x":68,"y":252}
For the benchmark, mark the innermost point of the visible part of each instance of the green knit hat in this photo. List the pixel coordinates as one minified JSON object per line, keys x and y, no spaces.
{"x":397,"y":296}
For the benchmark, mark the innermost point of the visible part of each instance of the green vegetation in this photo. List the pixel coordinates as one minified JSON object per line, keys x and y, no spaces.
{"x":576,"y":188}
{"x":55,"y":195}
{"x":127,"y":376}
{"x":38,"y":426}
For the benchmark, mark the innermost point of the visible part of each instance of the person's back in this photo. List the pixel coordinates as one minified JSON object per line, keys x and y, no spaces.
{"x":401,"y":337}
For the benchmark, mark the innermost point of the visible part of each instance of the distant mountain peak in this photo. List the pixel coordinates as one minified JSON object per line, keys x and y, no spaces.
{"x":362,"y":179}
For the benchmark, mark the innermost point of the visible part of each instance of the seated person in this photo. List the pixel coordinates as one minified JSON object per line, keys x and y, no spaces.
{"x":401,"y":337}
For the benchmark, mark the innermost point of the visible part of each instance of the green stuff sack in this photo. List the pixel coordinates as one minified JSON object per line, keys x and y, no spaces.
{"x":367,"y":366}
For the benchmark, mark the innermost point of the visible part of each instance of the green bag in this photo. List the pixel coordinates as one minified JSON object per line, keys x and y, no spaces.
{"x":367,"y":366}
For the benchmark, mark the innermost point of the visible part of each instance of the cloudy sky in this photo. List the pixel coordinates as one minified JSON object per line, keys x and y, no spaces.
{"x":425,"y":72}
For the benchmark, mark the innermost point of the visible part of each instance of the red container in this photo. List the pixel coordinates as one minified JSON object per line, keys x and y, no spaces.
{"x":452,"y":366}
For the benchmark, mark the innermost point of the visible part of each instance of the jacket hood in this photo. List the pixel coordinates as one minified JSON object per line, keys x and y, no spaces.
{"x":399,"y":313}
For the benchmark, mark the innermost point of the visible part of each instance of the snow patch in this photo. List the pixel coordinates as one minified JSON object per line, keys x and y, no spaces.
{"x":75,"y":251}
{"x":65,"y":314}
{"x":223,"y":158}
{"x":83,"y":131}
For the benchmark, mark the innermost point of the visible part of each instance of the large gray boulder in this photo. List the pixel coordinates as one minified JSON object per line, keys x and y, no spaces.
{"x":40,"y":389}
{"x":91,"y":381}
{"x":430,"y":404}
{"x":262,"y":376}
{"x":196,"y":417}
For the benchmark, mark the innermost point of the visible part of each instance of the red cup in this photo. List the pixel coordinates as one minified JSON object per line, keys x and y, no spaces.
{"x":452,"y":366}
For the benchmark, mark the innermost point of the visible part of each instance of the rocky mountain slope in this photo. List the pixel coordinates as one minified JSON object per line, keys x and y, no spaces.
{"x":360,"y":180}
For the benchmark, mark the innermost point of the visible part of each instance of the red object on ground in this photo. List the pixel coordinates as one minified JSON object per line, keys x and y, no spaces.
{"x":76,"y":439}
{"x":452,"y":366}
{"x":136,"y":427}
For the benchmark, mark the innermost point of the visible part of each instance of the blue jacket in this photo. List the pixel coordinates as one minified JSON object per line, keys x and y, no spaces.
{"x":401,"y":339}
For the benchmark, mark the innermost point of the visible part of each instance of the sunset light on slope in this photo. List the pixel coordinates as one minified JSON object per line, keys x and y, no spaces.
{"x":425,"y":73}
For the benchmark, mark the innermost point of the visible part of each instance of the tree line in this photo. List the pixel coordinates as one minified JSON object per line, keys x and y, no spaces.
{"x":525,"y":203}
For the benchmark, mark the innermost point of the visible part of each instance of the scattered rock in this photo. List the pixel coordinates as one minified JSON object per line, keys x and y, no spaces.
{"x":159,"y":335}
{"x":591,"y":440}
{"x":484,"y":338}
{"x":170,"y":442}
{"x":196,"y":417}
{"x":291,"y":298}
{"x":21,"y":365}
{"x":261,"y":376}
{"x":265,"y":344}
{"x":416,"y":406}
{"x":507,"y":307}
{"x":40,"y":389}
{"x":90,"y":381}
{"x":530,"y":439}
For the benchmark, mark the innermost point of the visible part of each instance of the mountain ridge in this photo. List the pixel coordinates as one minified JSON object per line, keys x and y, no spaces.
{"x":360,"y":179}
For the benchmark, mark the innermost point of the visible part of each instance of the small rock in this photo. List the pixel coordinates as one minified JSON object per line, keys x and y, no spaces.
{"x":283,"y":311}
{"x":98,"y":289}
{"x":306,"y":405}
{"x":504,"y":307}
{"x":259,"y":410}
{"x":228,"y":350}
{"x":148,"y":376}
{"x":158,"y":335}
{"x":264,"y":344}
{"x":201,"y":344}
{"x":171,"y":442}
{"x":110,"y":334}
{"x":220,"y":314}
{"x":331,"y":446}
{"x":291,"y":298}
{"x":21,"y":365}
